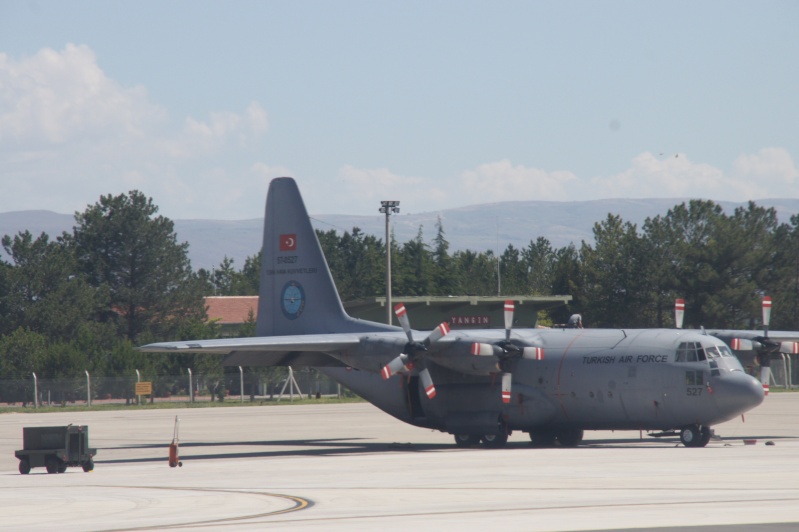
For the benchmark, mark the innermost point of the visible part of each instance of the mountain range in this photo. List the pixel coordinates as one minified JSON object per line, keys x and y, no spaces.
{"x":490,"y":226}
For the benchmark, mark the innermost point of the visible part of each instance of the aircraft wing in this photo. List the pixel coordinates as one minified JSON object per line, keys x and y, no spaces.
{"x":302,"y":350}
{"x":741,"y":340}
{"x":319,"y":343}
{"x":773,"y":335}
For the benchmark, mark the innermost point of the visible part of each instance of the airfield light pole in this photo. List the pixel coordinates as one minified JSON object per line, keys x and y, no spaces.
{"x":388,"y":208}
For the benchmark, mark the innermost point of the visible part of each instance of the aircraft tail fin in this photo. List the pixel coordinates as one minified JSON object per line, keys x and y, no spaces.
{"x":297,"y":294}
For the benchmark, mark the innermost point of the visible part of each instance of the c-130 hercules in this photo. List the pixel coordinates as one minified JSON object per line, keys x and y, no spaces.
{"x":479,"y":385}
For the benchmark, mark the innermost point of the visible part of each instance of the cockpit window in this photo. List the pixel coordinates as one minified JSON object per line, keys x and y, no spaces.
{"x":725,"y":351}
{"x":690,"y":352}
{"x":712,"y":352}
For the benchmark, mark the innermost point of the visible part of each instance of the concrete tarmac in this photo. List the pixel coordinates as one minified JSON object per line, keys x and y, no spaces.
{"x":352,"y":467}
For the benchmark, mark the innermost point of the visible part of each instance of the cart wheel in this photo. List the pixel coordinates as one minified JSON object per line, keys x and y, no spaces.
{"x":51,"y":464}
{"x":180,"y":464}
{"x":88,"y":465}
{"x":24,"y":466}
{"x":62,"y":468}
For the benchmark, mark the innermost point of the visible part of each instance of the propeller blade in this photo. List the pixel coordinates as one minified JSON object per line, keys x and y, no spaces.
{"x":402,"y":317}
{"x":533,"y":353}
{"x":438,"y":333}
{"x":766,"y":311}
{"x":765,"y":374}
{"x":679,"y":312}
{"x":485,"y":350}
{"x":427,"y":383}
{"x":507,"y":378}
{"x":509,"y":307}
{"x":396,"y":365}
{"x":741,"y":344}
{"x":790,"y":348}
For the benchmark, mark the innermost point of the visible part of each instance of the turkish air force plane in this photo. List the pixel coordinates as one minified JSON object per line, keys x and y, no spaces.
{"x":479,"y":385}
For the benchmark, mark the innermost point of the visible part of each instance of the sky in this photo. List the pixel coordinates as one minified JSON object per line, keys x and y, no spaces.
{"x":437,"y":104}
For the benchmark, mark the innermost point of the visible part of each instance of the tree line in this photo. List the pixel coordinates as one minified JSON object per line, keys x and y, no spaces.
{"x":84,"y":299}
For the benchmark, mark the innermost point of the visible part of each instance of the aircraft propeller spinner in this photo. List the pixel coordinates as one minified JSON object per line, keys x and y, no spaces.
{"x":408,"y":358}
{"x":506,"y":351}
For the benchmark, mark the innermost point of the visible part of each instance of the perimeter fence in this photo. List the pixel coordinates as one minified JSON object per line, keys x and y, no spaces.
{"x":239,"y":386}
{"x":235,"y":386}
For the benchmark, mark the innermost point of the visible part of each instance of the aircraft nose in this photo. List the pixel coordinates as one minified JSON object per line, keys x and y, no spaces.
{"x":737,"y":393}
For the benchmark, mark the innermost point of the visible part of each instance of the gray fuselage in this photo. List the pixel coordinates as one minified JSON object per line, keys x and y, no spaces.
{"x":650,"y":379}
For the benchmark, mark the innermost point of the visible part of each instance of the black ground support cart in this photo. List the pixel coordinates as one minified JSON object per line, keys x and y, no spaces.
{"x":55,"y":448}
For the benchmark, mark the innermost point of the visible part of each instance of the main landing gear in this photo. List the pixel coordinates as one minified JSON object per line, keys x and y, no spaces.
{"x":565,"y":437}
{"x":489,"y":441}
{"x":695,"y":436}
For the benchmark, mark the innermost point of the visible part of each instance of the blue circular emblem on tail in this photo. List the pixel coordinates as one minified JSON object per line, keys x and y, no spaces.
{"x":292,"y":300}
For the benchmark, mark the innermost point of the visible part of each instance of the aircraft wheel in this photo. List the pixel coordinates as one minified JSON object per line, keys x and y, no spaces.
{"x":495,"y":441}
{"x":466,"y":440}
{"x":51,"y":464}
{"x":24,"y":466}
{"x":570,"y":437}
{"x":706,"y":434}
{"x":542,"y":438}
{"x":690,"y":436}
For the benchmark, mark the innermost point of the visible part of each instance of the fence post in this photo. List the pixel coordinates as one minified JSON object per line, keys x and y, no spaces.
{"x":88,"y":389}
{"x":35,"y":391}
{"x":138,"y":379}
{"x":241,"y":383}
{"x":191,"y":386}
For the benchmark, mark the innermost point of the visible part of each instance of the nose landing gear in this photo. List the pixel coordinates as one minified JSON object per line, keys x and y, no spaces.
{"x":695,"y":436}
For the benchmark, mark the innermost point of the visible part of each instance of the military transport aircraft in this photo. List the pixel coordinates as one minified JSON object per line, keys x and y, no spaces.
{"x":479,"y":385}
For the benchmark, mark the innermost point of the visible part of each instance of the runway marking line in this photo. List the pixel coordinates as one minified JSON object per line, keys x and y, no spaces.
{"x":299,"y":504}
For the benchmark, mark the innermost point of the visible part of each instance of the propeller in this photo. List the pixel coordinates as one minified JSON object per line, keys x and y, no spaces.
{"x":765,"y":369}
{"x":406,"y":360}
{"x":766,"y":314}
{"x":679,"y":312}
{"x":506,"y":351}
{"x":765,"y":344}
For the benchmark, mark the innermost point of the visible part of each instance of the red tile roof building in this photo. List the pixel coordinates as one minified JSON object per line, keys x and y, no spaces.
{"x":231,"y":311}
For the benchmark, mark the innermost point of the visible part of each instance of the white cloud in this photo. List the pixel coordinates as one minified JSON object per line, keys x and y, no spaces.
{"x":491,"y":182}
{"x":70,"y":133}
{"x":772,"y":169}
{"x":55,"y":97}
{"x":502,"y":181}
{"x":660,"y":176}
{"x":256,"y":118}
{"x":768,"y":173}
{"x":375,"y":184}
{"x":375,"y":181}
